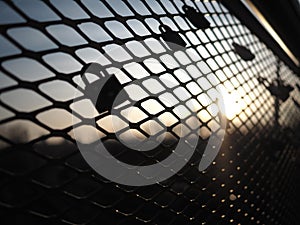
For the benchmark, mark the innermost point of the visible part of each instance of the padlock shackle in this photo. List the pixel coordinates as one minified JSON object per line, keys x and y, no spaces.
{"x":165,"y":27}
{"x":92,"y":68}
{"x":186,"y":8}
{"x":235,"y":44}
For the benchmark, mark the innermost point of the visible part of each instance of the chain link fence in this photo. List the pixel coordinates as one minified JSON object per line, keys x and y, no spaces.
{"x":45,"y":47}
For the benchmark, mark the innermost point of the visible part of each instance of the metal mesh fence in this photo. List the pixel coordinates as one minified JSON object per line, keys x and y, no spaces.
{"x":44,"y":178}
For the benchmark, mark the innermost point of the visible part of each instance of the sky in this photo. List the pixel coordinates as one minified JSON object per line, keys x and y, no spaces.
{"x":197,"y":73}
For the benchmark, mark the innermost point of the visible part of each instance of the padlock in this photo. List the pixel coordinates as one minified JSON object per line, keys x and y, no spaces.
{"x":103,"y":92}
{"x":196,"y":18}
{"x":277,"y":89}
{"x":173,"y":39}
{"x":284,"y":91}
{"x":243,"y":52}
{"x":281,"y":91}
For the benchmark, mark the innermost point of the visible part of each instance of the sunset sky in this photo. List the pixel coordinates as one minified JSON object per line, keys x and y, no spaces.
{"x":200,"y":66}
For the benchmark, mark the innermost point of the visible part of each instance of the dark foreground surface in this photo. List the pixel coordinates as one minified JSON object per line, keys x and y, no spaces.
{"x":252,"y":181}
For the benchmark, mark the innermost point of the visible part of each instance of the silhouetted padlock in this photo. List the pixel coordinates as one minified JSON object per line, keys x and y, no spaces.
{"x":103,"y":92}
{"x":280,"y":90}
{"x":243,"y":52}
{"x":196,"y":18}
{"x":173,"y":39}
{"x":277,"y":89}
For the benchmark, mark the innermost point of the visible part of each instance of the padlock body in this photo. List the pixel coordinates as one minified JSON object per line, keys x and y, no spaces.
{"x":243,"y":52}
{"x":104,"y":99}
{"x":198,"y":20}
